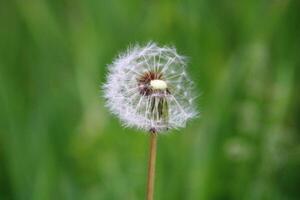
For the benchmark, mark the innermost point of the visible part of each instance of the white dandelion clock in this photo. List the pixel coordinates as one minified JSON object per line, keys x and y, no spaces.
{"x":148,"y":88}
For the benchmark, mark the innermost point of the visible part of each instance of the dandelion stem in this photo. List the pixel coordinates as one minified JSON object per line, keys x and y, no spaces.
{"x":151,"y":165}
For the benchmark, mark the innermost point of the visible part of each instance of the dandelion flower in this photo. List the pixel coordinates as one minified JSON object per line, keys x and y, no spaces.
{"x":148,"y":88}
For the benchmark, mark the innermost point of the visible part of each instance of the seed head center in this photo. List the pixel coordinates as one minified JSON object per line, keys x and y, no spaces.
{"x":157,"y":84}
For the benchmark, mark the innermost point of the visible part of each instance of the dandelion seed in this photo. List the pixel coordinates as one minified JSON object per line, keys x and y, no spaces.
{"x":147,"y":88}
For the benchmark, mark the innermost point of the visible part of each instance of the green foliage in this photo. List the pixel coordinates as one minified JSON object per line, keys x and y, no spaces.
{"x":57,"y":141}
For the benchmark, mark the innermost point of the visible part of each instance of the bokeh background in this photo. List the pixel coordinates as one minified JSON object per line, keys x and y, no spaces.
{"x":57,"y":140}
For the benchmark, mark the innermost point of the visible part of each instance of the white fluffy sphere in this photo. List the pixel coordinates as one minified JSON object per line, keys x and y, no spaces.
{"x":148,"y":88}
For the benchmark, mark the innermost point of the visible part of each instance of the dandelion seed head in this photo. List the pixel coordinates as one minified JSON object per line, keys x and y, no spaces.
{"x":148,"y":88}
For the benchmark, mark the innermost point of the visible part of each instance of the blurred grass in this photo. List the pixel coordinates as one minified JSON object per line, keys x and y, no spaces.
{"x":57,"y":141}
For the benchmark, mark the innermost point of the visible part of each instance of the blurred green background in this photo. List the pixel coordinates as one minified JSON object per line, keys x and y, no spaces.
{"x":58,"y":141}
